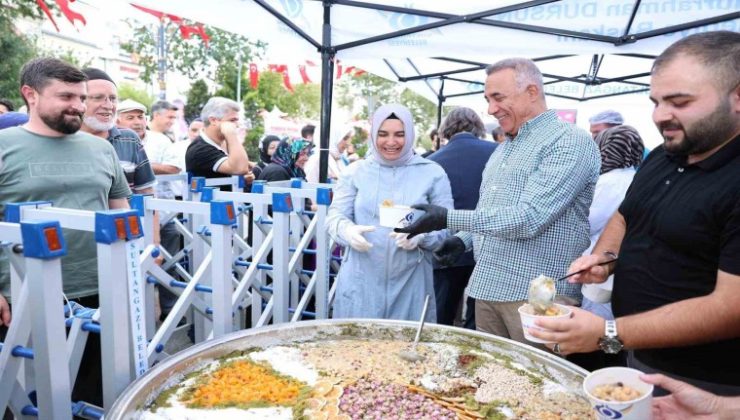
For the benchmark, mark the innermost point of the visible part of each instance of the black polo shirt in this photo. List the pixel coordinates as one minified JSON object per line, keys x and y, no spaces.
{"x":683,"y":224}
{"x":203,"y":158}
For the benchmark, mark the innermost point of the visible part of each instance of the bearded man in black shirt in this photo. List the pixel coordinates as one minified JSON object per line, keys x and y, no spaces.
{"x":676,"y":291}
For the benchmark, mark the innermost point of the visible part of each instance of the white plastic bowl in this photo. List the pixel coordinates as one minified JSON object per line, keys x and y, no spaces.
{"x":637,"y":409}
{"x":397,"y":216}
{"x":526,"y":313}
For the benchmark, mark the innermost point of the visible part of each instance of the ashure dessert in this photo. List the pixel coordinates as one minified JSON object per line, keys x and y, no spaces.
{"x":551,"y":311}
{"x":617,"y":392}
{"x":358,"y":378}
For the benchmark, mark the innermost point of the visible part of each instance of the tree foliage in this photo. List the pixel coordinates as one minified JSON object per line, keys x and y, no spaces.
{"x":15,"y":50}
{"x":14,"y":9}
{"x":303,"y":102}
{"x":189,"y":57}
{"x":197,"y":97}
{"x":375,"y":91}
{"x":130,"y":91}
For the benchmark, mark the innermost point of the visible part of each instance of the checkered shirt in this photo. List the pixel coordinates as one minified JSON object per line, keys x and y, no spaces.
{"x":532,"y":215}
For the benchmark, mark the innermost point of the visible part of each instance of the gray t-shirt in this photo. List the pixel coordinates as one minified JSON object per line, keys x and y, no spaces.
{"x":77,"y":171}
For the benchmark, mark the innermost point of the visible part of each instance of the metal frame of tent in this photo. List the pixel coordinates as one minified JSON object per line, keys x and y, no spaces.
{"x":589,"y":78}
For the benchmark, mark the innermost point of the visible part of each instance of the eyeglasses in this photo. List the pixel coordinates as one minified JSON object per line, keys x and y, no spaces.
{"x":102,"y":98}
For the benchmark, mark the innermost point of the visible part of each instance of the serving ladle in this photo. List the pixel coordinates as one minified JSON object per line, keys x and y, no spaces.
{"x":542,"y":289}
{"x":412,"y":355}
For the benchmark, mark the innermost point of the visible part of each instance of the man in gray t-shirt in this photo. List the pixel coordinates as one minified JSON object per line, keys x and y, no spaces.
{"x":49,"y":159}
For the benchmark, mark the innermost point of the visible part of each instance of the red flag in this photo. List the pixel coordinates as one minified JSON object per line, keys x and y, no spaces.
{"x":254,"y":75}
{"x":339,"y":70}
{"x":45,"y":8}
{"x":158,"y":14}
{"x":304,"y":74}
{"x":286,"y":79}
{"x":188,"y":30}
{"x":282,"y":68}
{"x":70,"y":14}
{"x":63,"y":5}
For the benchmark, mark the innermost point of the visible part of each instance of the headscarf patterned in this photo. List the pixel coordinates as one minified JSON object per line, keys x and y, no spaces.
{"x":404,"y":115}
{"x":620,"y":147}
{"x":287,"y":153}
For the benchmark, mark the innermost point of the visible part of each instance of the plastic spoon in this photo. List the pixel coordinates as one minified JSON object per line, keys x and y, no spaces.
{"x":542,"y":289}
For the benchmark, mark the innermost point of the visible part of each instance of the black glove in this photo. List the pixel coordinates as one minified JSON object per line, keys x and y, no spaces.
{"x":434,"y":218}
{"x":450,"y":251}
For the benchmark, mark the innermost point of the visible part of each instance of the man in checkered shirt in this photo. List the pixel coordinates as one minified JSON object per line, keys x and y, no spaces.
{"x":532,"y":216}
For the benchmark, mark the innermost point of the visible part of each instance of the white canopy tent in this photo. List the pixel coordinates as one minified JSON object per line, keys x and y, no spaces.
{"x":586,"y":48}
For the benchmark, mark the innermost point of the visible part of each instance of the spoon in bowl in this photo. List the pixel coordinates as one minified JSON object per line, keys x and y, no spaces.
{"x":412,"y":355}
{"x":542,"y":289}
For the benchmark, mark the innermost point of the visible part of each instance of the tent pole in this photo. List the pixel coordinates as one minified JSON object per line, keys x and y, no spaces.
{"x":440,"y":100}
{"x":327,"y":87}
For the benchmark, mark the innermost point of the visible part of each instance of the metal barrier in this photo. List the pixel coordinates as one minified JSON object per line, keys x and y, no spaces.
{"x":228,"y":275}
{"x":113,"y":230}
{"x":38,"y":318}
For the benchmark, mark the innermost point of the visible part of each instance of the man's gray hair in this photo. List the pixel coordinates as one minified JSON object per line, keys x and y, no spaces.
{"x":525,"y":71}
{"x":218,"y":107}
{"x":718,"y":51}
{"x":462,"y":119}
{"x":160,"y":107}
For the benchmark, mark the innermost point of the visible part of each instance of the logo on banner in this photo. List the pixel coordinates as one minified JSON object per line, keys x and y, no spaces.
{"x":474,"y":87}
{"x":292,"y":8}
{"x":400,"y":21}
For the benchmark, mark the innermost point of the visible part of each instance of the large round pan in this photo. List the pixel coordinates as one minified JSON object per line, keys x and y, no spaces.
{"x":142,"y":392}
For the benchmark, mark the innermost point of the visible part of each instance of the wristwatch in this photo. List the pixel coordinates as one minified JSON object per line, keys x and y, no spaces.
{"x":610,"y":342}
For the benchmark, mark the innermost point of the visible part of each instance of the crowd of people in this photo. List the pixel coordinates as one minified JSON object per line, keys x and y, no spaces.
{"x":544,"y":197}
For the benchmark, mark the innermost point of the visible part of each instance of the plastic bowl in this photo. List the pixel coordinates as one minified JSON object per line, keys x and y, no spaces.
{"x":637,"y":409}
{"x":526,"y":313}
{"x":397,"y":216}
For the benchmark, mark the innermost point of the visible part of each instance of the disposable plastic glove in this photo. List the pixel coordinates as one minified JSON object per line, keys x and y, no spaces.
{"x":403,"y":241}
{"x":450,"y":250}
{"x":353,"y":235}
{"x":434,"y":218}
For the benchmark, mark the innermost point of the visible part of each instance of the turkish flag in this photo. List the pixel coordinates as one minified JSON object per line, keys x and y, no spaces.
{"x":286,"y":79}
{"x":63,"y":5}
{"x":188,"y":30}
{"x":254,"y":75}
{"x":304,"y":74}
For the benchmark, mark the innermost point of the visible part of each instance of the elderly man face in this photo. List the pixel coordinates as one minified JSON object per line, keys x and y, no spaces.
{"x":133,"y":120}
{"x":691,"y":112}
{"x":102,"y":100}
{"x":510,"y":104}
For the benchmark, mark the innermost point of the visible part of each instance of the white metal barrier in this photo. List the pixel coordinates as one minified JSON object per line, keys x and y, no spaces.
{"x":112,"y":231}
{"x":228,"y":274}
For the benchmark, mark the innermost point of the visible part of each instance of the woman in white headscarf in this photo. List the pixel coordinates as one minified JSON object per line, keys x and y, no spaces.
{"x":337,"y":143}
{"x":383,"y":274}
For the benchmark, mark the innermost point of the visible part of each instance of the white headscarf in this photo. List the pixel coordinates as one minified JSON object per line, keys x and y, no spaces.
{"x":404,"y":115}
{"x":336,"y":138}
